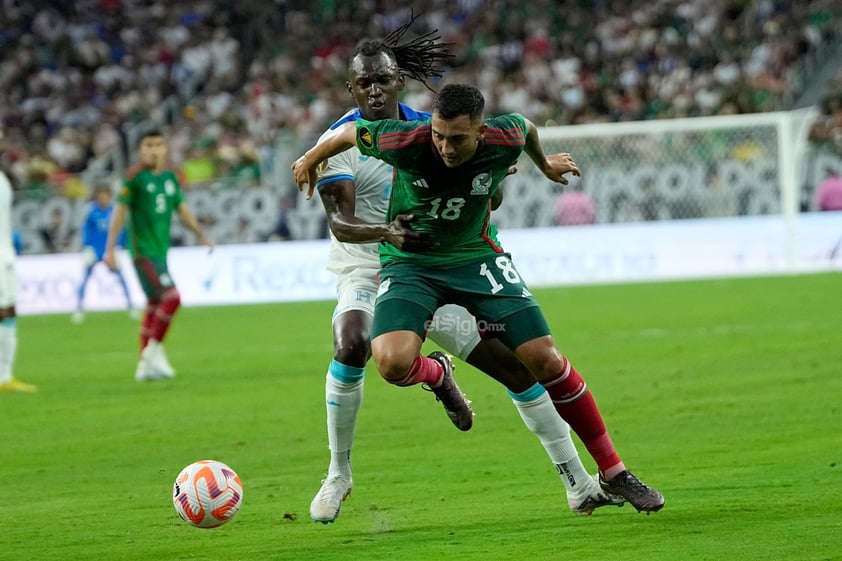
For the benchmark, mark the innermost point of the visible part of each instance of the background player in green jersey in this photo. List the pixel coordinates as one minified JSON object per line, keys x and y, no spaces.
{"x":447,"y":169}
{"x":148,"y":197}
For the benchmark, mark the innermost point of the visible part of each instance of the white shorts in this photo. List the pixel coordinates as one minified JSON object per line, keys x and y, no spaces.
{"x":8,"y":281}
{"x":356,"y":290}
{"x":453,"y":328}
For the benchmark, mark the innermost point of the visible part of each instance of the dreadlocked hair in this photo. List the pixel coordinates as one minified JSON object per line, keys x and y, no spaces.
{"x":422,"y":58}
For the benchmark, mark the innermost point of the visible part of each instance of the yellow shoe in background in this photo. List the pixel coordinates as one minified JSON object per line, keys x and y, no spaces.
{"x":15,"y":385}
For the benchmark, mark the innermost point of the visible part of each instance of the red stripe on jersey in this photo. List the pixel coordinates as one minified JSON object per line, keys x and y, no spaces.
{"x":484,"y":233}
{"x":504,"y":137}
{"x":399,"y":139}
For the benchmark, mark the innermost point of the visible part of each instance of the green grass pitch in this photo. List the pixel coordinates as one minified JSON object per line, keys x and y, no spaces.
{"x":726,"y":395}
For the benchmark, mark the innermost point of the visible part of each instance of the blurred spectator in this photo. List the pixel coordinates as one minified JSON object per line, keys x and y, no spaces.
{"x":200,"y":165}
{"x":829,"y":192}
{"x":281,"y":232}
{"x":245,"y":169}
{"x":57,"y":235}
{"x":574,"y":207}
{"x":826,"y":131}
{"x":38,"y":174}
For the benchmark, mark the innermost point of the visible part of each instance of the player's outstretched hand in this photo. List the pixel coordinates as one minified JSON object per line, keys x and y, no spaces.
{"x":402,"y":236}
{"x":110,"y":259}
{"x":560,"y":164}
{"x":208,"y":242}
{"x":305,"y":174}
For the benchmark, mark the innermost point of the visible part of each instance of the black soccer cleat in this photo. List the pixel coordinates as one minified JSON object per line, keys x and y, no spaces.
{"x":457,"y":407}
{"x":641,"y":496}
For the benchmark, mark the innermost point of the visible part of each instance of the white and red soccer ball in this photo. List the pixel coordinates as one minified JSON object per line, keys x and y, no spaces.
{"x":207,"y":494}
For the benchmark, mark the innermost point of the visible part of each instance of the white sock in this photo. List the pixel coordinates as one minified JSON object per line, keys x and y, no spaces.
{"x":343,"y":399}
{"x":8,"y":346}
{"x":540,"y":416}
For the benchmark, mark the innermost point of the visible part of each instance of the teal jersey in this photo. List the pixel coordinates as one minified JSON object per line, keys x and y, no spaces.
{"x":454,"y":205}
{"x":151,"y":199}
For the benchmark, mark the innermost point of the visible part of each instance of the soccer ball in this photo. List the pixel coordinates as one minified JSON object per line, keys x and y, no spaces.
{"x":207,"y":494}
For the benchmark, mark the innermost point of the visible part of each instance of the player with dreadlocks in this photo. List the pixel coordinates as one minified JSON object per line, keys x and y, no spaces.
{"x":355,"y":193}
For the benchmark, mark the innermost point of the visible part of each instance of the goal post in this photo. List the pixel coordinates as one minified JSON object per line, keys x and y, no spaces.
{"x":705,"y":167}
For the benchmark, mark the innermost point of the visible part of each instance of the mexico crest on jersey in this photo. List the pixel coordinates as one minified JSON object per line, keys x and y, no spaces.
{"x":481,"y":184}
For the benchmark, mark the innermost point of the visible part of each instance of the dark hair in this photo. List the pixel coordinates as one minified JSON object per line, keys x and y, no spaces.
{"x":150,"y":132}
{"x":420,"y":59}
{"x":455,"y":100}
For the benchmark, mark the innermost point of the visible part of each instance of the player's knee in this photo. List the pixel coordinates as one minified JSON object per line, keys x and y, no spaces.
{"x":391,"y":366}
{"x":392,"y":363}
{"x":173,"y":296}
{"x":542,"y":357}
{"x":394,"y":354}
{"x":170,"y":301}
{"x":352,"y":350}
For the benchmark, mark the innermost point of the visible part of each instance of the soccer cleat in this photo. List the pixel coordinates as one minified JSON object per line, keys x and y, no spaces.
{"x":77,"y":317}
{"x":326,"y":504}
{"x":15,"y":385}
{"x":144,"y":371}
{"x":641,"y":496}
{"x":592,"y":498}
{"x":157,"y":359}
{"x":457,"y":407}
{"x":148,"y":367}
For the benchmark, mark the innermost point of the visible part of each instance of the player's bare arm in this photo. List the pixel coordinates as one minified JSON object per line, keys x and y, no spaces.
{"x":339,"y":200}
{"x":554,"y":166}
{"x":189,"y":220}
{"x":118,"y":220}
{"x":304,"y":168}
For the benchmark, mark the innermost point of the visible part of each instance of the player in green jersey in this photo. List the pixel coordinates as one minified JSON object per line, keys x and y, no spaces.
{"x":355,"y":193}
{"x":447,"y":169}
{"x":148,"y":197}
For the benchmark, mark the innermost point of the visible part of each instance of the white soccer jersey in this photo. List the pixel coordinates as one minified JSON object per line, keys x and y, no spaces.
{"x":373,"y":182}
{"x":7,"y":248}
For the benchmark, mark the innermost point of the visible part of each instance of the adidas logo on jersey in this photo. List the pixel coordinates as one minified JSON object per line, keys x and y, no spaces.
{"x":421,"y":183}
{"x":384,"y":287}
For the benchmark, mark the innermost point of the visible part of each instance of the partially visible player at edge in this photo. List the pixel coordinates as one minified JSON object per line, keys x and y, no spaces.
{"x":447,"y":170}
{"x":94,"y":236}
{"x":8,"y":292}
{"x":148,"y":198}
{"x":355,"y":191}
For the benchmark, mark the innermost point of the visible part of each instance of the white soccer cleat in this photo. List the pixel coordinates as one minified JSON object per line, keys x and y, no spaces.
{"x":327,"y":502}
{"x":144,"y":372}
{"x":592,"y":497}
{"x":77,"y":317}
{"x":151,"y":366}
{"x":157,"y":359}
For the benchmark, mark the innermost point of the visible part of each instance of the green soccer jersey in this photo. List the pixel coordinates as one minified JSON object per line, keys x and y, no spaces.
{"x":454,"y":204}
{"x":151,"y":199}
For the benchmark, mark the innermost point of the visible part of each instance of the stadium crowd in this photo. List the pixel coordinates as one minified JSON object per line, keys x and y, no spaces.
{"x":228,"y":80}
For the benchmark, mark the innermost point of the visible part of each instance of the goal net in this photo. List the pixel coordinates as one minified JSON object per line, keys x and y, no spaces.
{"x":720,"y":166}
